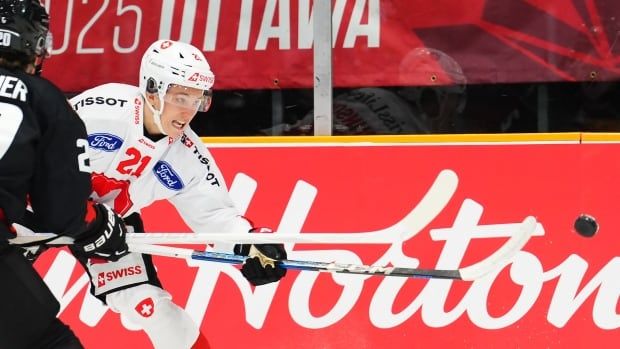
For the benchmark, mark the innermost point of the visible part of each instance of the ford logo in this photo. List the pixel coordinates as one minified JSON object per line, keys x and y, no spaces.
{"x":167,"y":176}
{"x":104,"y":141}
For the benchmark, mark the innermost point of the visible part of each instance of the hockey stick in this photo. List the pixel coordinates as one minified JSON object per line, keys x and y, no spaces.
{"x":433,"y":202}
{"x":475,"y":271}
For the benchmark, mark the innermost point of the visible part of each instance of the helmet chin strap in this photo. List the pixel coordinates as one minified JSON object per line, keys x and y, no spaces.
{"x":157,"y":114}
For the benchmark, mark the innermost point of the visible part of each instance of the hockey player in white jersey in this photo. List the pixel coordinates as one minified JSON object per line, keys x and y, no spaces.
{"x":143,"y":150}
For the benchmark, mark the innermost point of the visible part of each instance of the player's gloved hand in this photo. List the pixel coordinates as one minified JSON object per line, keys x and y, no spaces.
{"x":104,"y":236}
{"x":260,"y":267}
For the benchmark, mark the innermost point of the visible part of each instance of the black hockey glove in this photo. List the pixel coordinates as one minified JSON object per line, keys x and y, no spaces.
{"x":260,"y":267}
{"x":104,"y":236}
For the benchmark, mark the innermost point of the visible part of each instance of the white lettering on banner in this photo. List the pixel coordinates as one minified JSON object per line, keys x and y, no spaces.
{"x":136,"y":12}
{"x":188,"y":22}
{"x":213,"y":20}
{"x":281,"y":32}
{"x":132,"y":11}
{"x":356,"y":28}
{"x":305,"y":17}
{"x":364,"y":22}
{"x":82,"y":35}
{"x":526,"y":272}
{"x":371,"y":30}
{"x":245,"y":23}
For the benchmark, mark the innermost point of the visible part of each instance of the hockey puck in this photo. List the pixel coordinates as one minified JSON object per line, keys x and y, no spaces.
{"x":586,"y":225}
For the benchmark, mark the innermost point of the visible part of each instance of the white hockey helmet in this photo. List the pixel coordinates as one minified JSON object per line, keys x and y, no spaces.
{"x":169,"y":63}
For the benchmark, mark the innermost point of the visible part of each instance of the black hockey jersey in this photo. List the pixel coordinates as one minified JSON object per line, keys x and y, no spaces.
{"x":43,"y":155}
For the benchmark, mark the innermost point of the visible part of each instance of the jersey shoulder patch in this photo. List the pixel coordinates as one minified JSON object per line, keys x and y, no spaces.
{"x":198,"y":153}
{"x":195,"y":147}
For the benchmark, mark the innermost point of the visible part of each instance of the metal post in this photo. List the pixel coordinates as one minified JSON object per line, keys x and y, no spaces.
{"x":322,"y":31}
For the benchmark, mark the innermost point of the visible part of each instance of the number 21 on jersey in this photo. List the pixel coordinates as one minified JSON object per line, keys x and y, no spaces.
{"x":134,"y":164}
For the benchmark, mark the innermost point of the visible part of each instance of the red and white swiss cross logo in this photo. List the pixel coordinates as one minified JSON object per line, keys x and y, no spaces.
{"x":100,"y":280}
{"x":146,"y":307}
{"x":164,"y":45}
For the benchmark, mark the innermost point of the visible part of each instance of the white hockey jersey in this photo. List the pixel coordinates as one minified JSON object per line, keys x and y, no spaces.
{"x":130,"y":171}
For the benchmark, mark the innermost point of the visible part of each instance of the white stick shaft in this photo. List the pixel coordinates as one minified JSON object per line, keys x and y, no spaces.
{"x":165,"y":251}
{"x":245,"y":238}
{"x":494,"y":262}
{"x":433,"y":202}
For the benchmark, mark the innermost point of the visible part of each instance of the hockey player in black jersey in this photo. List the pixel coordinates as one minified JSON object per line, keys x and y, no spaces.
{"x":43,"y":164}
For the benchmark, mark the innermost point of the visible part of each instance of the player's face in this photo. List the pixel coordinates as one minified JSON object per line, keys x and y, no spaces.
{"x":181,"y":105}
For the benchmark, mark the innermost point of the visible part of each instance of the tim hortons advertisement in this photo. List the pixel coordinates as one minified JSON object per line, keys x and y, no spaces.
{"x":560,"y":290}
{"x":268,"y":43}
